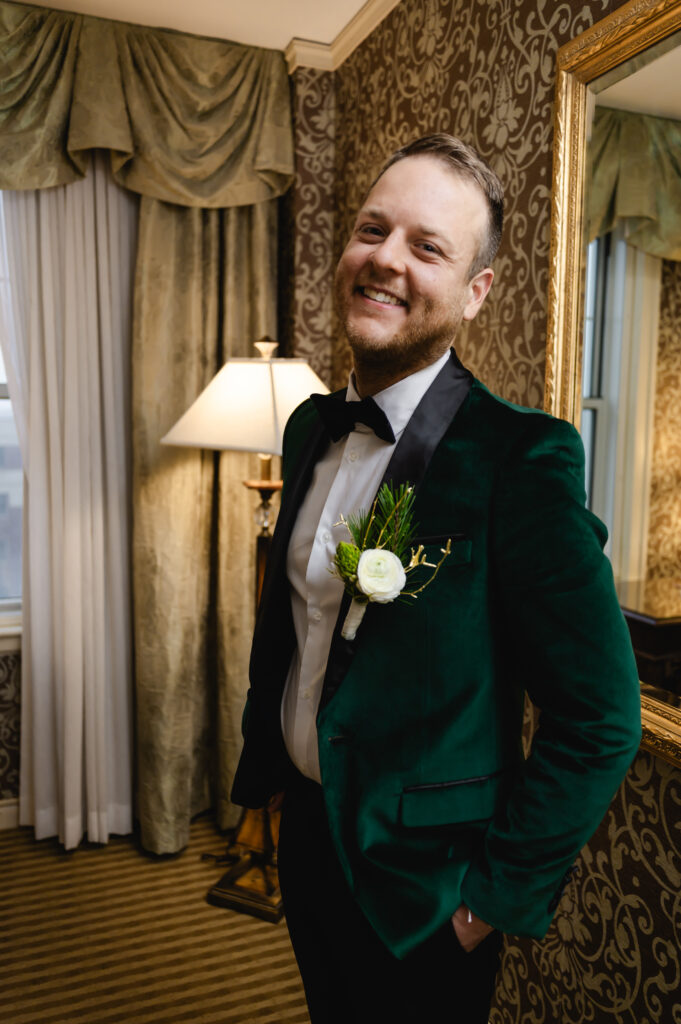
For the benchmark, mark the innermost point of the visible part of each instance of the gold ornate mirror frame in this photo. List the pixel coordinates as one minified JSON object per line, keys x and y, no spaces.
{"x":625,"y":33}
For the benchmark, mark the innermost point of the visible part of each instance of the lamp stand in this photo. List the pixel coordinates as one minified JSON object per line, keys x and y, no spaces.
{"x":266,"y":487}
{"x":251,"y":884}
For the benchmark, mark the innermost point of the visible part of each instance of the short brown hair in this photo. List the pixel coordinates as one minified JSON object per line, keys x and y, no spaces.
{"x":468,"y":164}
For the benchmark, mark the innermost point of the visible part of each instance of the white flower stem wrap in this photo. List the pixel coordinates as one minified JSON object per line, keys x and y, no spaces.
{"x":352,"y":620}
{"x":380,"y":575}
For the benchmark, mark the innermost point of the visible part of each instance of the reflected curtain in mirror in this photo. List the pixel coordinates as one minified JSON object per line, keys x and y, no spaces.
{"x":634,"y":175}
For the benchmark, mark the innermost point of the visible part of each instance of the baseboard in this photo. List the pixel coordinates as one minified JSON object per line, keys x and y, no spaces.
{"x":9,"y":814}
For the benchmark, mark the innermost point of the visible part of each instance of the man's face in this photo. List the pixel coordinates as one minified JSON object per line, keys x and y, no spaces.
{"x":402,"y":285}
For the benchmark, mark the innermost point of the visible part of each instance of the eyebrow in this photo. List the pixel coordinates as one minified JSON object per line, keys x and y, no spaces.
{"x":421,"y":229}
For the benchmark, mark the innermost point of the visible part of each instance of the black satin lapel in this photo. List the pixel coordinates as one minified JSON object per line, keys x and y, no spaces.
{"x":341,"y":654}
{"x":428,"y":425}
{"x":409,"y":462}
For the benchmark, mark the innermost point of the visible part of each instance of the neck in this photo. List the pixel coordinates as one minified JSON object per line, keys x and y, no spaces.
{"x":370,"y":382}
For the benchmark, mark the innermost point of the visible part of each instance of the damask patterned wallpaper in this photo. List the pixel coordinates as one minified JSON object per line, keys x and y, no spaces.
{"x":10,"y":664}
{"x":664,"y":538}
{"x":611,"y":955}
{"x":485,"y":70}
{"x":310,"y":331}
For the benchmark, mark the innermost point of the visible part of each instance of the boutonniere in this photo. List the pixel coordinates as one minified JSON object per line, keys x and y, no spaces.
{"x":376,"y":563}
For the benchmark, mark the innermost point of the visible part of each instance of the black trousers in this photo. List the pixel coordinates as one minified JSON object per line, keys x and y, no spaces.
{"x":350,"y":977}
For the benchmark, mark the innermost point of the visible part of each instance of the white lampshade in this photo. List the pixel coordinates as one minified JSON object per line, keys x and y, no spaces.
{"x":246,"y":405}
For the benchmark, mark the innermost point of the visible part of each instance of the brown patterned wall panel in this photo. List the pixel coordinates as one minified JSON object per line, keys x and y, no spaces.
{"x":484,"y":71}
{"x":10,"y":695}
{"x":664,"y":536}
{"x":312,"y":205}
{"x":612,"y":953}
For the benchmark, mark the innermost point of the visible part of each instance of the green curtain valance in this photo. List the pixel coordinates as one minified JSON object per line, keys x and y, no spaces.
{"x":634,"y":175}
{"x":188,"y":120}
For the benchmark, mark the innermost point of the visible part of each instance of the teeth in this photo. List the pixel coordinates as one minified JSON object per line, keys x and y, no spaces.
{"x":371,"y":293}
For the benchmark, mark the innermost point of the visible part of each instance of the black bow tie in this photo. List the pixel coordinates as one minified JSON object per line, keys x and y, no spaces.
{"x":339,"y":417}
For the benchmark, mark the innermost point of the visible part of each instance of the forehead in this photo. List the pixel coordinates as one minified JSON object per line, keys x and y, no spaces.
{"x":423,"y":186}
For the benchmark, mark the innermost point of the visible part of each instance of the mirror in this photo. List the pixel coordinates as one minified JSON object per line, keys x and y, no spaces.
{"x":601,"y":56}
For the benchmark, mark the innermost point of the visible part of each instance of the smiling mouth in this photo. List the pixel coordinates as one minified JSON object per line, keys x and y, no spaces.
{"x":380,"y":296}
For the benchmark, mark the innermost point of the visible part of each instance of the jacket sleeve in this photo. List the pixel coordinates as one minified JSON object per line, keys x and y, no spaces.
{"x":558,"y":603}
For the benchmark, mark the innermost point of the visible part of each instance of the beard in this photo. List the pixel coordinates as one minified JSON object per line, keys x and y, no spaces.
{"x":422,"y":342}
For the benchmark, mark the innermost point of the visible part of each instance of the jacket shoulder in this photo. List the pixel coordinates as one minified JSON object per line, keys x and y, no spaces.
{"x":510,"y":412}
{"x":518,"y":424}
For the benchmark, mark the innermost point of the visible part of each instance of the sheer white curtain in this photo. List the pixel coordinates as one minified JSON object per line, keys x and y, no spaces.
{"x":66,"y":343}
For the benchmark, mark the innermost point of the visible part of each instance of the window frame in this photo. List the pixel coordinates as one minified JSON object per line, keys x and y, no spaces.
{"x":625,"y":309}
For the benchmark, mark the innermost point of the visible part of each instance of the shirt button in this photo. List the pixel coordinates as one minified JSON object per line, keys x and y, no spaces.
{"x":326,"y":536}
{"x":316,"y":615}
{"x":352,"y":456}
{"x":306,"y":695}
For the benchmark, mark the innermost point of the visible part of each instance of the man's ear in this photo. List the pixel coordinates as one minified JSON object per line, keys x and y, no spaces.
{"x":478,"y":287}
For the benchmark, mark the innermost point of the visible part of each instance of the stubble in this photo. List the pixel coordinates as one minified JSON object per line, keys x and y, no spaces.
{"x":422,"y":342}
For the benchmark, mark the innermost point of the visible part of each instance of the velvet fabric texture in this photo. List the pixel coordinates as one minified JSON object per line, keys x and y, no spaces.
{"x":429,"y":800}
{"x":194,"y":531}
{"x":194,"y":121}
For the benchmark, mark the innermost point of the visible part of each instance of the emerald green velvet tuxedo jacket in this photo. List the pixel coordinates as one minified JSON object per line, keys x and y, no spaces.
{"x":429,"y":800}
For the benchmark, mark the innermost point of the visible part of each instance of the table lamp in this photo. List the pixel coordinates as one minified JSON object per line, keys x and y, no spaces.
{"x":245,"y":408}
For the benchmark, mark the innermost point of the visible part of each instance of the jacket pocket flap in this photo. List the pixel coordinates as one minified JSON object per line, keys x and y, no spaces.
{"x":450,"y":803}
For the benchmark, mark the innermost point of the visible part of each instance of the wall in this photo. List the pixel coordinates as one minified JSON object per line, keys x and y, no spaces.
{"x":10,"y":669}
{"x":486,"y":71}
{"x":611,"y":955}
{"x":310,"y":325}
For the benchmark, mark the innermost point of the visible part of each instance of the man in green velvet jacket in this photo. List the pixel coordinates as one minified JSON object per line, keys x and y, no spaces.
{"x":413,"y":831}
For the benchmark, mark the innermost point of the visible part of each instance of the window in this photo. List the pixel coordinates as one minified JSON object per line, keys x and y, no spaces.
{"x":11,"y":493}
{"x":594,"y":402}
{"x":11,"y":499}
{"x":622,"y":303}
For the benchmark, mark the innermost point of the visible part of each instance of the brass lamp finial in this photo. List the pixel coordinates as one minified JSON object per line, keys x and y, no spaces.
{"x":266,"y":347}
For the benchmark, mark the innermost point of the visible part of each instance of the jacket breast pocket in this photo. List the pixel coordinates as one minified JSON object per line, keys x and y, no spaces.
{"x":461,"y":548}
{"x":459,"y":802}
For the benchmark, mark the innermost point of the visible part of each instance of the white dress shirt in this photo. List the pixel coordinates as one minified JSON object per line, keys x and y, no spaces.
{"x":345,"y":480}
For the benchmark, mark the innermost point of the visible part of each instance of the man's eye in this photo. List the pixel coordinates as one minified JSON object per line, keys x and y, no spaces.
{"x":429,"y":248}
{"x":370,"y":229}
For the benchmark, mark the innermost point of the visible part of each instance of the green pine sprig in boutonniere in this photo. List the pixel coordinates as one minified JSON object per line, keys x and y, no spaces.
{"x":375,"y":564}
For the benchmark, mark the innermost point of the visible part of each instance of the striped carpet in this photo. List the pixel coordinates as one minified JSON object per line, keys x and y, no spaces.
{"x":108,"y":934}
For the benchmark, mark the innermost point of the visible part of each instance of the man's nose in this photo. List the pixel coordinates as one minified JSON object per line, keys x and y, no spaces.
{"x":390,"y":254}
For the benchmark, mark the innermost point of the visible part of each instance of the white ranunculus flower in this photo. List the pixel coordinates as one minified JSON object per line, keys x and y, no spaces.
{"x":380,"y":575}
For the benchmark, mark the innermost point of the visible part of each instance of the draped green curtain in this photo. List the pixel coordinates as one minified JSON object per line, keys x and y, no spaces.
{"x":634,"y":175}
{"x":188,"y":120}
{"x":193,"y":568}
{"x":202,"y":130}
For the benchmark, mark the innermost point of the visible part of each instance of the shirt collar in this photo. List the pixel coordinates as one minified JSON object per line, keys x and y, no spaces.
{"x":399,"y":401}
